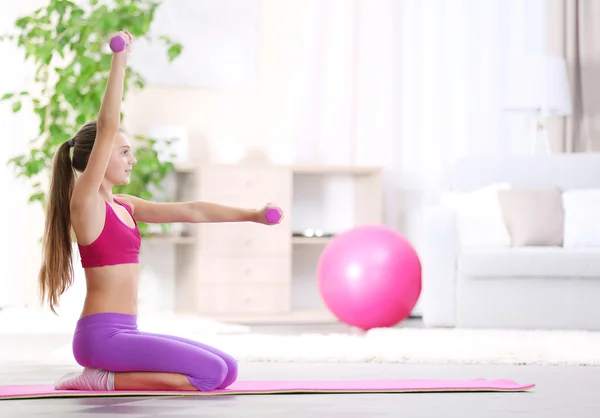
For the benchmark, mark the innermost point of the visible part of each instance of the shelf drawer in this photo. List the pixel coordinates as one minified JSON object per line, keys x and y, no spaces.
{"x":243,"y":239}
{"x":243,"y":298}
{"x":244,"y":270}
{"x":259,"y":183}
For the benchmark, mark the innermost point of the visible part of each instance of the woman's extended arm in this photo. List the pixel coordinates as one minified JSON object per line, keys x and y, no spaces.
{"x":194,"y":212}
{"x":109,"y":120}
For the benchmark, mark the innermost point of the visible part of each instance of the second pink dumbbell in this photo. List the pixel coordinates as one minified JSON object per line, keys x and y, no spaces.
{"x":272,"y":215}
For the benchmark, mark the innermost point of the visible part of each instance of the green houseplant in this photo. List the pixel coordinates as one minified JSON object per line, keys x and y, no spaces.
{"x":67,"y":45}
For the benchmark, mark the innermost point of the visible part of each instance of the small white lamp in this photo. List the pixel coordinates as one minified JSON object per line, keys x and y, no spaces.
{"x":540,"y":85}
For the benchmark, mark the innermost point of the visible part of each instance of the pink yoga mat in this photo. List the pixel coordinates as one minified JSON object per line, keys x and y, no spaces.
{"x":282,"y":387}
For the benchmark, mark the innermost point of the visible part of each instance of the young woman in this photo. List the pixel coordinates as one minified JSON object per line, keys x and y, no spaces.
{"x":114,"y":354}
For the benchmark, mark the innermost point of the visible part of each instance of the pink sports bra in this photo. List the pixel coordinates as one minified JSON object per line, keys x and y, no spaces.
{"x":117,"y":243}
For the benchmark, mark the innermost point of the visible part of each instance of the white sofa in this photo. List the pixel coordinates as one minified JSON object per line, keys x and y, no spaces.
{"x":503,"y":286}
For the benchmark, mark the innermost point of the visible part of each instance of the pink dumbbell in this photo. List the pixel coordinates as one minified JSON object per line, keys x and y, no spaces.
{"x":272,"y":215}
{"x":117,"y":43}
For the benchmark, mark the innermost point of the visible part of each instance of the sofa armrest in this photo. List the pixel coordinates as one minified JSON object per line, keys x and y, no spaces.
{"x":439,"y":254}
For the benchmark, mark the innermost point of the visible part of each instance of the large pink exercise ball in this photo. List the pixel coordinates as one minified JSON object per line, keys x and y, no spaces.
{"x":369,"y":277}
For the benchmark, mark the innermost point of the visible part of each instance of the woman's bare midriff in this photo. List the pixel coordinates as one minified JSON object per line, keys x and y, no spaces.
{"x":111,"y":289}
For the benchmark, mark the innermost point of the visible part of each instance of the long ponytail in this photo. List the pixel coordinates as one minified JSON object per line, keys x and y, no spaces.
{"x":56,"y":273}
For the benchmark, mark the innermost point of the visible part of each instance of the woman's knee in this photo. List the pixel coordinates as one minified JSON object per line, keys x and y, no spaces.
{"x":209,"y":374}
{"x":223,"y":372}
{"x":231,"y":363}
{"x":232,"y":372}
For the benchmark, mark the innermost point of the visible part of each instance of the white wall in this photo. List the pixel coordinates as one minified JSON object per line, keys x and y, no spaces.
{"x":406,"y":84}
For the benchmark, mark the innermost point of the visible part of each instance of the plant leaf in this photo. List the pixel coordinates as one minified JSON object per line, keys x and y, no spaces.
{"x":174,"y":51}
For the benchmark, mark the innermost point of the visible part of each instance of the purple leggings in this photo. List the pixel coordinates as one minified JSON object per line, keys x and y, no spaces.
{"x":112,"y":341}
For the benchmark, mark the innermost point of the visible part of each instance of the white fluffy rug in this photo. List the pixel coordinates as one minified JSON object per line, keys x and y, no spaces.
{"x":405,"y":345}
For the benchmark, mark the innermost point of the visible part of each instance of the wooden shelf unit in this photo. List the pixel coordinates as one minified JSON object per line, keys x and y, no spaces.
{"x":242,"y":272}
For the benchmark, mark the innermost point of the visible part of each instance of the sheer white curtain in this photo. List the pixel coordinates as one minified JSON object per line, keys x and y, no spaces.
{"x":452,"y":60}
{"x":344,"y":95}
{"x":411,"y":85}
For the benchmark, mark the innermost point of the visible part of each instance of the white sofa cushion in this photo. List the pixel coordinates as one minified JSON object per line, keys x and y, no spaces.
{"x":479,"y":219}
{"x":533,"y":217}
{"x":582,"y":218}
{"x":530,"y":262}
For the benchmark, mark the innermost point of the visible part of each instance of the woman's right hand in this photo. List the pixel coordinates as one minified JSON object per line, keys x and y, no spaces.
{"x":122,"y":56}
